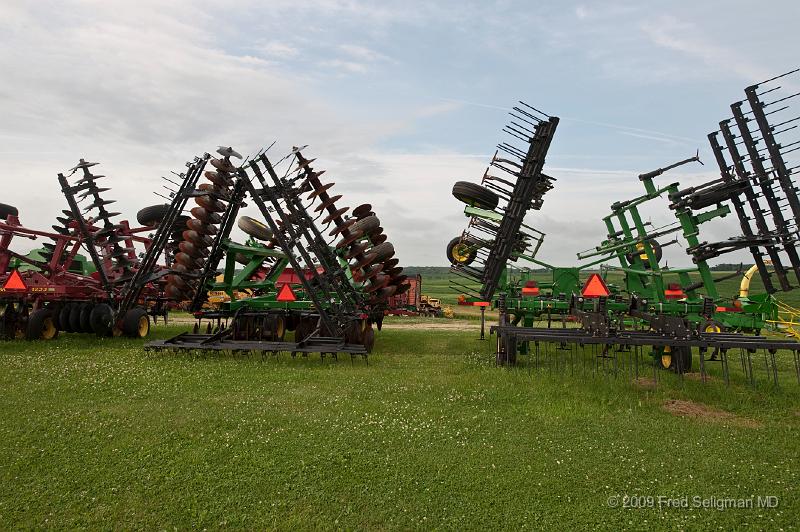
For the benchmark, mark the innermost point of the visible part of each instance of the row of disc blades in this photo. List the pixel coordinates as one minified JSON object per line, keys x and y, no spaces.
{"x":358,"y":238}
{"x":198,"y":235}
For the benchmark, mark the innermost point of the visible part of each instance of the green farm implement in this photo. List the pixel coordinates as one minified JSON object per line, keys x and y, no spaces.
{"x":308,"y":268}
{"x":667,"y":313}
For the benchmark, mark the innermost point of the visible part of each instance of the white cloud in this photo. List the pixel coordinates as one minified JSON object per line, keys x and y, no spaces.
{"x":277,"y":50}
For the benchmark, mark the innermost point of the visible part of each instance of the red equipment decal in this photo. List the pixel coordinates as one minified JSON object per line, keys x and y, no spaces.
{"x":530,"y":289}
{"x":15,"y":282}
{"x":286,"y":293}
{"x":595,"y":287}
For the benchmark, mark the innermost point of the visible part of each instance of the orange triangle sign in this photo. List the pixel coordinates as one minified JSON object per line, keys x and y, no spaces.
{"x":286,"y":293}
{"x":15,"y":282}
{"x":595,"y":287}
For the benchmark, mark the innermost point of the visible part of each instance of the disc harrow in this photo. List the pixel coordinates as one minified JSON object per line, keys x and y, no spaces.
{"x":212,"y":199}
{"x":344,"y":267}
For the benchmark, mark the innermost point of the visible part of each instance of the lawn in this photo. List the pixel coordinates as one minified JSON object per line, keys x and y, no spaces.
{"x":97,"y":433}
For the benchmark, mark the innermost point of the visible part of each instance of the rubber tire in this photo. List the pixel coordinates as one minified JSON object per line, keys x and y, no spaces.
{"x":452,"y":245}
{"x":510,"y":355}
{"x":130,"y":323}
{"x":86,"y":314}
{"x":383,"y":251}
{"x":151,"y":216}
{"x":366,"y":225}
{"x":75,"y":318}
{"x":685,"y":354}
{"x":254,"y":228}
{"x":36,"y":324}
{"x":63,"y":318}
{"x":6,"y":210}
{"x":656,"y":249}
{"x":475,"y":195}
{"x":102,"y":319}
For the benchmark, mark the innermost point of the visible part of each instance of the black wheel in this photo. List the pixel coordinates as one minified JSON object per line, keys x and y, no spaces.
{"x":475,"y":195}
{"x":254,"y":228}
{"x":179,"y":227}
{"x":151,"y":216}
{"x":459,"y":252}
{"x":369,"y":339}
{"x":102,"y":319}
{"x":86,"y":313}
{"x":41,"y":325}
{"x":274,"y":329}
{"x":631,"y":257}
{"x":506,"y":350}
{"x":75,"y":318}
{"x":6,"y":210}
{"x":63,"y":318}
{"x":383,"y":251}
{"x":136,"y":323}
{"x":676,"y":358}
{"x":366,"y":225}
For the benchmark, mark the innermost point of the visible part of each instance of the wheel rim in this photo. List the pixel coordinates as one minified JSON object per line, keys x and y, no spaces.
{"x":49,"y":329}
{"x":144,"y":326}
{"x":666,"y":357}
{"x":461,"y":252}
{"x":712,"y":328}
{"x":280,"y":328}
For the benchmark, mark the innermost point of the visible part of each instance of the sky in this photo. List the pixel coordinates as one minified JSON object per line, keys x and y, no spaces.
{"x":396,"y":100}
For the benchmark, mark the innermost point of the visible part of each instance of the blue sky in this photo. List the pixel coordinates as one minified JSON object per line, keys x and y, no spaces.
{"x":396,"y":100}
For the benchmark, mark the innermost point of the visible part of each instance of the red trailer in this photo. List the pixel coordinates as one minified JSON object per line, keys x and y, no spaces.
{"x":408,"y":303}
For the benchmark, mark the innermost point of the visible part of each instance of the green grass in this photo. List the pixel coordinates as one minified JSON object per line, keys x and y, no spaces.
{"x":99,"y":434}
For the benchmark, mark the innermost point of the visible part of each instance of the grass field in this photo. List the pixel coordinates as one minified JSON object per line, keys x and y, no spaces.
{"x":97,"y":433}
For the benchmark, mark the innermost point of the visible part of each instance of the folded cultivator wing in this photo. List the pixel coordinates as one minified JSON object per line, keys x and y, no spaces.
{"x":496,"y":232}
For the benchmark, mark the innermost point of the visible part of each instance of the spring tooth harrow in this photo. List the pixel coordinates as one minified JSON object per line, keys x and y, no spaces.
{"x":345,"y":277}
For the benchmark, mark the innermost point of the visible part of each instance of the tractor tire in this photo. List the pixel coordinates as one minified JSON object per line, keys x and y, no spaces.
{"x":506,"y":351}
{"x":366,"y":225}
{"x":254,"y":228}
{"x":102,"y":319}
{"x":7,"y":210}
{"x":75,"y":318}
{"x":151,"y":216}
{"x":677,"y":359}
{"x":41,"y":325}
{"x":136,"y":323}
{"x":64,"y":318}
{"x":461,"y":253}
{"x":274,"y":329}
{"x":179,"y":227}
{"x":383,"y":251}
{"x":369,"y":339}
{"x":86,"y":313}
{"x":475,"y":195}
{"x":631,"y":257}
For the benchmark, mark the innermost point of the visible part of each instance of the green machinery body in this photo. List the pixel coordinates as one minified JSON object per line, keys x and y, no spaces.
{"x":630,"y":242}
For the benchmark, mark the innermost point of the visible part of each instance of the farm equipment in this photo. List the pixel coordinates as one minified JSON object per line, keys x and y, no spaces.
{"x":342,"y":279}
{"x":413,"y":302}
{"x":119,"y":287}
{"x":669,"y":311}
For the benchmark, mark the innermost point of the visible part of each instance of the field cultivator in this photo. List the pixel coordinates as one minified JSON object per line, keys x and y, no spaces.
{"x":668,"y":312}
{"x":344,"y":269}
